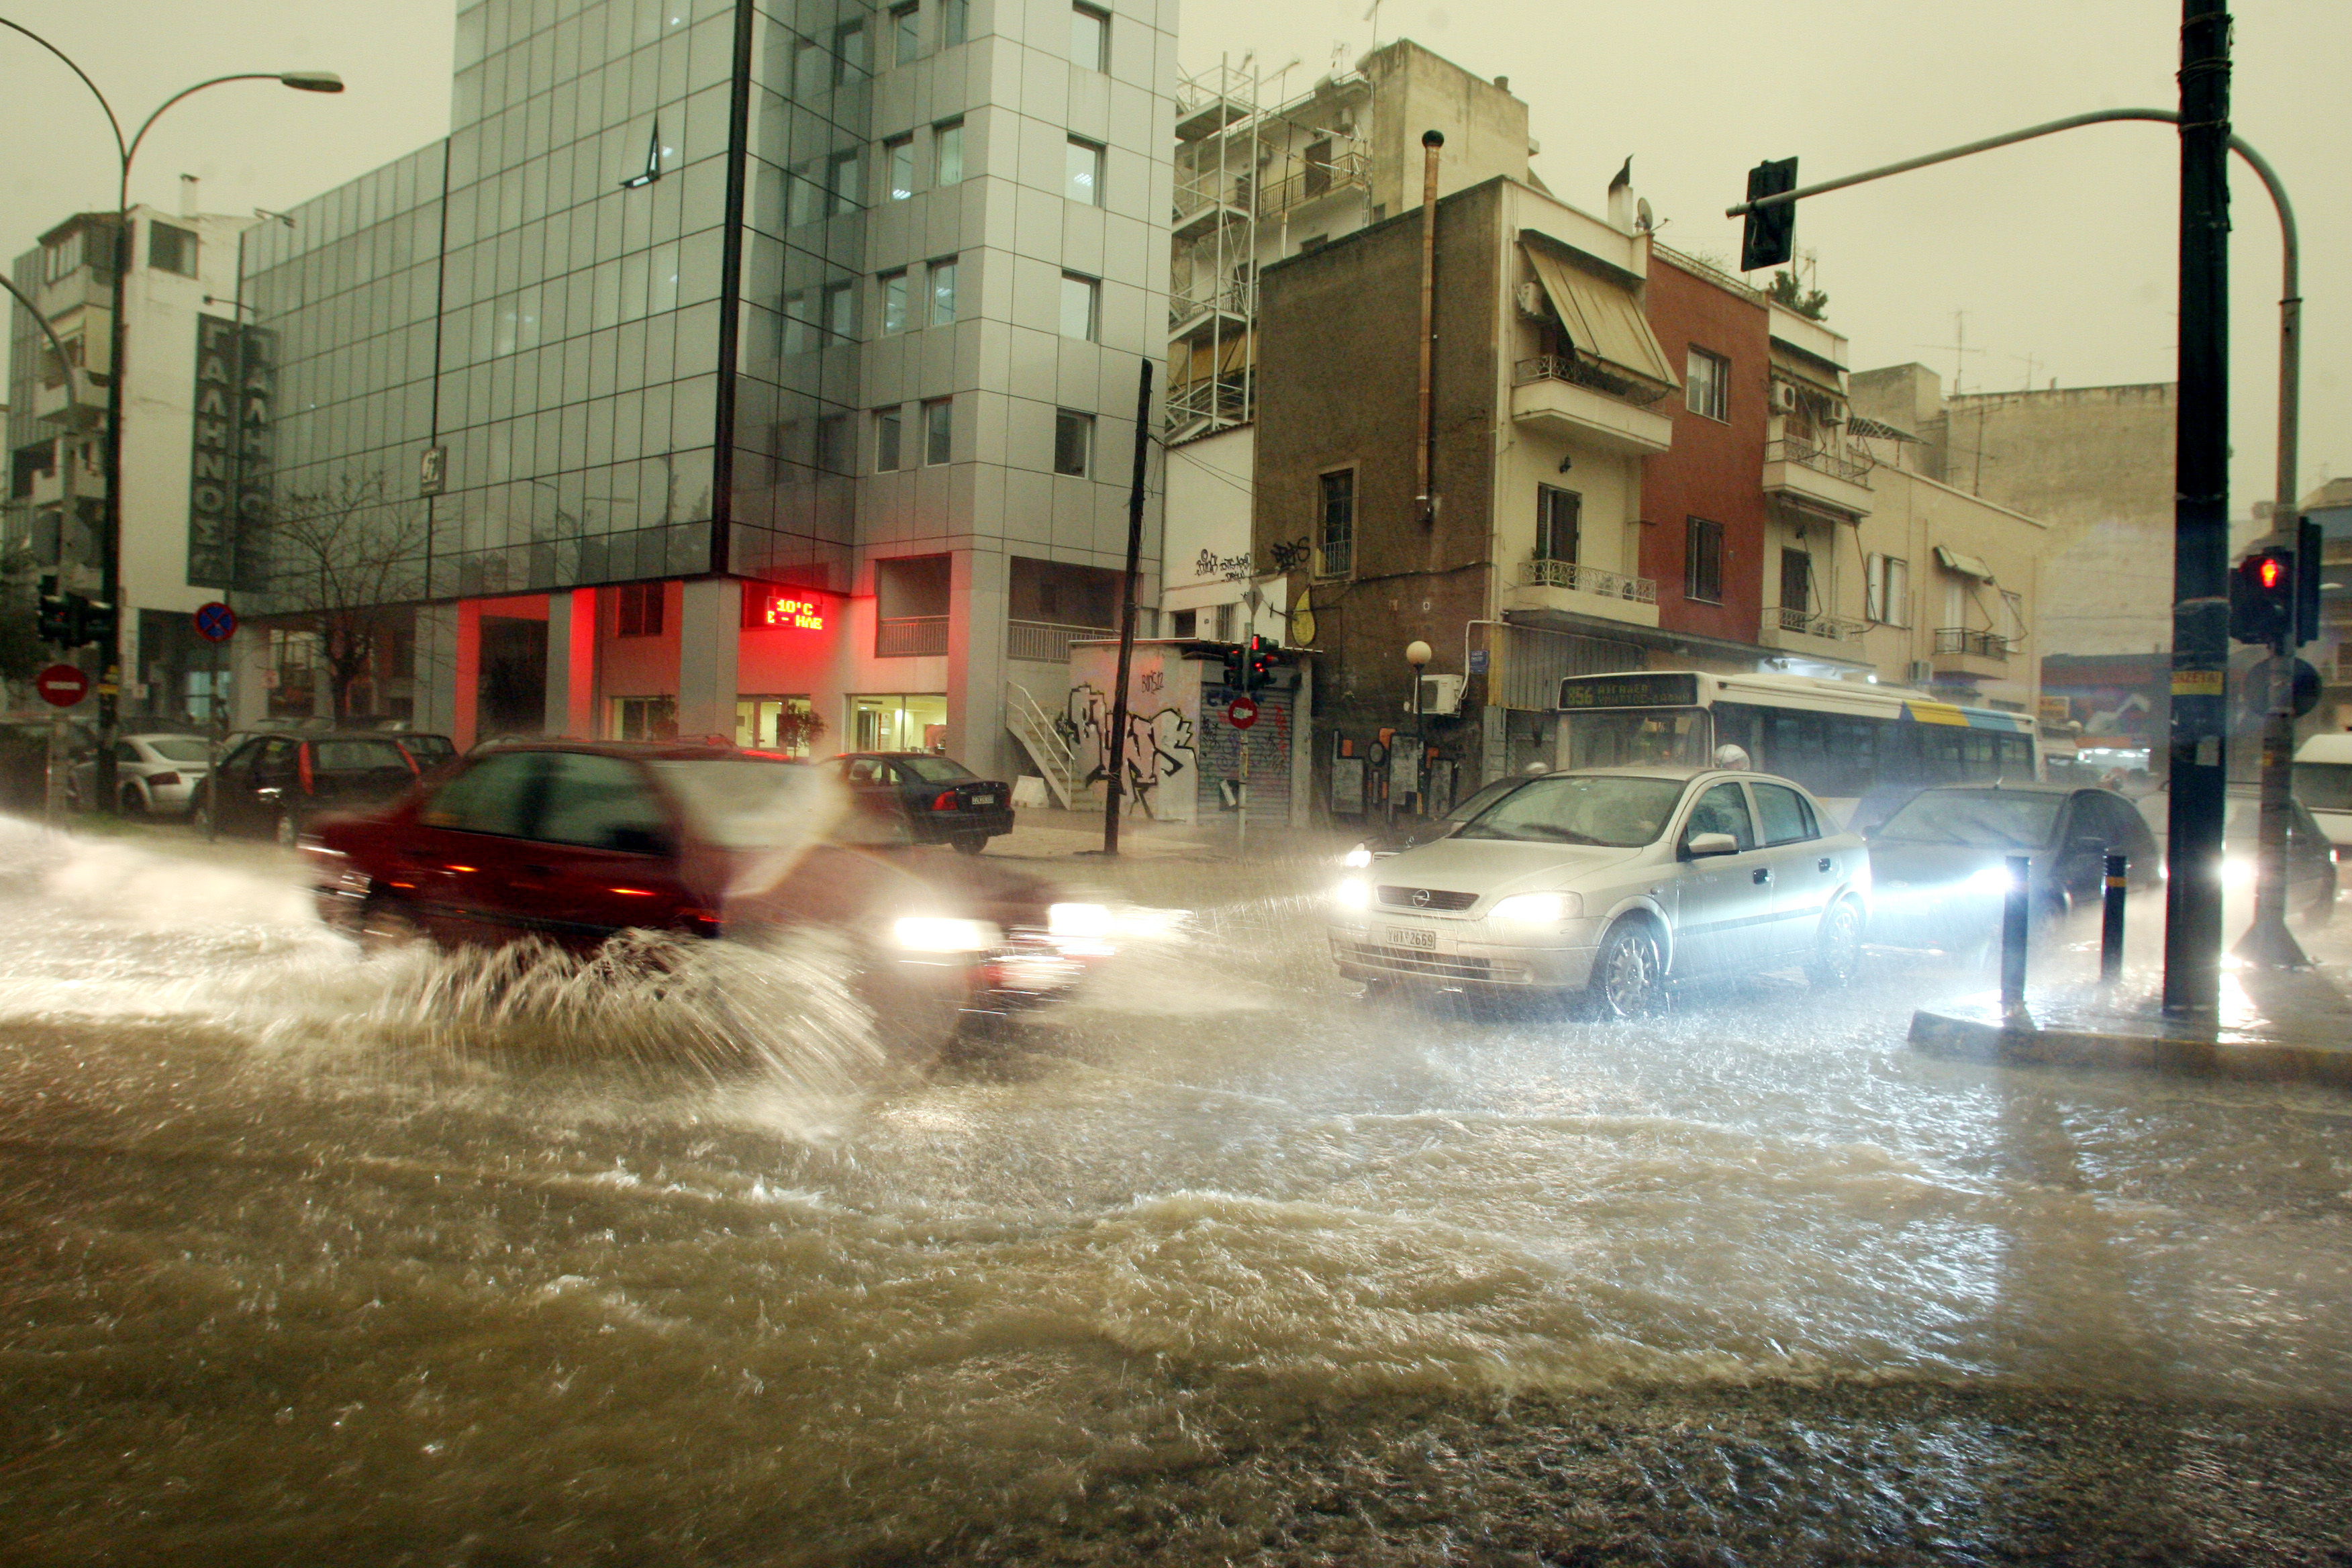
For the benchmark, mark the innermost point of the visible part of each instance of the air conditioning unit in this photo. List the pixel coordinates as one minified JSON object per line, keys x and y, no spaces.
{"x":1440,"y":695}
{"x":1532,"y":303}
{"x":1837,"y":414}
{"x":1784,"y":398}
{"x":1920,"y":672}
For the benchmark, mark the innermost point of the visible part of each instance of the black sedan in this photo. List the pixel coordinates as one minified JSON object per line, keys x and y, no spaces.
{"x":944,"y":801}
{"x":271,"y":784}
{"x":1939,"y":863}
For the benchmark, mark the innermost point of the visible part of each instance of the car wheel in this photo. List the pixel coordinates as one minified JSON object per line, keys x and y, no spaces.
{"x":1837,"y":950}
{"x":133,"y":802}
{"x":969,"y":843}
{"x":1629,"y":974}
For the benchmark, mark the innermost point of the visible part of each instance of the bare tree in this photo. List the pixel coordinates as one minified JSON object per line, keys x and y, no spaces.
{"x":340,"y":557}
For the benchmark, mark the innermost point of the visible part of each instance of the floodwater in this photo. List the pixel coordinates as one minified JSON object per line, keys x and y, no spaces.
{"x":304,"y":1258}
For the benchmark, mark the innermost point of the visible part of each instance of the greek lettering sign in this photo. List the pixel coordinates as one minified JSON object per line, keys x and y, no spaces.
{"x":228,"y":484}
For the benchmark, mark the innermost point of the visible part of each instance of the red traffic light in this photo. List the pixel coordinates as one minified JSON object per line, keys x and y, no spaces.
{"x":2270,"y":571}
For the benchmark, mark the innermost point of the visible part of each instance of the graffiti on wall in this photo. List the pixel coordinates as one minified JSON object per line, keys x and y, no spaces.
{"x":1158,"y":742}
{"x":1292,"y":556}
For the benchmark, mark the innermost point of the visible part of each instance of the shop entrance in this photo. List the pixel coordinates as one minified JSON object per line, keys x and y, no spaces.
{"x":912,"y":721}
{"x":786,"y":724}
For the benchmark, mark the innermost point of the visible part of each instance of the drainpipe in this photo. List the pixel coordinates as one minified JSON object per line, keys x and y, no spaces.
{"x":1431,"y":141}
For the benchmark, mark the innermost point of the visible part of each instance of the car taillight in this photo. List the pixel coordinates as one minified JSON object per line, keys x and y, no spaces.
{"x":946,"y":801}
{"x":162,"y":781}
{"x":303,"y":769}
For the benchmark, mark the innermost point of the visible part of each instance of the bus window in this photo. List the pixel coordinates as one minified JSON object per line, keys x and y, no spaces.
{"x":1638,"y":737}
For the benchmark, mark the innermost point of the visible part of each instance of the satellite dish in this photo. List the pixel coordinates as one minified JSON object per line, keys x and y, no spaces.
{"x":1642,"y":218}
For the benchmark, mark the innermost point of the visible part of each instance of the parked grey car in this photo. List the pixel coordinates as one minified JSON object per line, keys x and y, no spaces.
{"x":156,"y":773}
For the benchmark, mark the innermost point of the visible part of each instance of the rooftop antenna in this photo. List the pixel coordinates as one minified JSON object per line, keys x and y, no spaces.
{"x":2032,"y":368}
{"x":1373,"y":17}
{"x":1958,"y":348}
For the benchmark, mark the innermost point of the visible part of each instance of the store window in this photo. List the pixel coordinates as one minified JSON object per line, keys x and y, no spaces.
{"x":913,"y":722}
{"x":643,"y":718}
{"x":786,"y":724}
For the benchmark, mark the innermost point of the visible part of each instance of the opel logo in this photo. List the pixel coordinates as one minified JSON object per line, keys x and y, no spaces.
{"x":1420,"y":897}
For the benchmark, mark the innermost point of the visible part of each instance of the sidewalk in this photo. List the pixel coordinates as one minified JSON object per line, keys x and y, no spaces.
{"x":1046,"y":833}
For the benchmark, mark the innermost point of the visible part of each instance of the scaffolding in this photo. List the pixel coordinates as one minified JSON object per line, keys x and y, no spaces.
{"x":1212,"y":278}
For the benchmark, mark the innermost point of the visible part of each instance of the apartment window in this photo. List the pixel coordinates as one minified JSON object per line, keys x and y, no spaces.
{"x":886,"y":427}
{"x":841,"y":311}
{"x":1796,"y":581}
{"x":171,"y":249}
{"x":60,"y":261}
{"x":845,"y":182}
{"x":1081,"y":307}
{"x":893,"y":302}
{"x":1089,"y":38}
{"x":899,"y":166}
{"x":943,"y":293}
{"x":1703,"y":560}
{"x":955,"y":22}
{"x":1558,"y":515}
{"x":640,"y":610}
{"x":1083,"y":174}
{"x":1073,"y":442}
{"x":938,"y":430}
{"x":907,"y":33}
{"x":1338,"y":531}
{"x":1226,"y":614}
{"x":1707,"y":385}
{"x":1887,"y":591}
{"x":947,"y":154}
{"x":850,"y":60}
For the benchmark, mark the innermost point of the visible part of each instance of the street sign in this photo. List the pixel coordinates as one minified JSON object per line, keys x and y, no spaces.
{"x":1241,"y":713}
{"x":61,"y":685}
{"x":216,"y":622}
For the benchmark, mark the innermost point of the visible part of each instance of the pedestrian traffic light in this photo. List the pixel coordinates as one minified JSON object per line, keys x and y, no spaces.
{"x":1263,"y":657}
{"x":1236,"y":668}
{"x":55,"y":615}
{"x":1770,"y":238}
{"x":2263,"y":597}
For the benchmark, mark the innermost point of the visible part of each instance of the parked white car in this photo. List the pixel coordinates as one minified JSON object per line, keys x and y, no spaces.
{"x":1617,"y":881}
{"x":155,"y":773}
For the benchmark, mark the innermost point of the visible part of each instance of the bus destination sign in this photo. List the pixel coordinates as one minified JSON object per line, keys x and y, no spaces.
{"x":1644,"y":689}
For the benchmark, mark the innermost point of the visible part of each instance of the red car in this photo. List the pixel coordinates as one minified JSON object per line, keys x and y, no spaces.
{"x":569,"y":843}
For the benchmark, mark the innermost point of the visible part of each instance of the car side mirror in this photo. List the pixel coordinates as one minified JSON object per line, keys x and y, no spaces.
{"x":1703,"y":845}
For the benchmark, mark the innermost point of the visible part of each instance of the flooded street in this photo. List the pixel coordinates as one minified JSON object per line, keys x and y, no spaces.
{"x":307,"y":1259}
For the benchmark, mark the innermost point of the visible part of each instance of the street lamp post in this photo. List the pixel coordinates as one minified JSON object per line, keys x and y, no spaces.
{"x":1418,"y":653}
{"x":111,"y":541}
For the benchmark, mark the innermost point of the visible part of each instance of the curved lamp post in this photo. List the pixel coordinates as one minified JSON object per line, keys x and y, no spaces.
{"x":1418,"y":653}
{"x":111,"y":546}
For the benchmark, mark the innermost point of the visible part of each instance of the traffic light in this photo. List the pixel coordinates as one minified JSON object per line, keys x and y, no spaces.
{"x":56,"y":614}
{"x":1236,"y":668}
{"x":1263,"y":657}
{"x":2263,"y":597}
{"x":2307,"y":582}
{"x":1770,"y":237}
{"x":93,"y":622}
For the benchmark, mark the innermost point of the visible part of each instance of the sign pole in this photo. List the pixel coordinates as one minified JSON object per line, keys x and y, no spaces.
{"x":1112,"y":791}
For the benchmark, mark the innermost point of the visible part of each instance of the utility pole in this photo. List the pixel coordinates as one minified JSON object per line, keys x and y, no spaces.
{"x":1112,"y":790}
{"x":2201,"y":525}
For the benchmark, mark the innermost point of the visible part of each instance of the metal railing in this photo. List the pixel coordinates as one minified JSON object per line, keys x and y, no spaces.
{"x":1816,"y":624}
{"x":1584,"y":372}
{"x":1048,"y":642}
{"x":1238,"y":300}
{"x":1538,"y":573}
{"x":1047,"y":745}
{"x":1823,"y":461}
{"x":910,"y":636}
{"x":1960,"y":640}
{"x":1348,"y":170}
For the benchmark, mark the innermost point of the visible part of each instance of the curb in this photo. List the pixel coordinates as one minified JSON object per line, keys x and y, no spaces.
{"x":1958,"y":1037}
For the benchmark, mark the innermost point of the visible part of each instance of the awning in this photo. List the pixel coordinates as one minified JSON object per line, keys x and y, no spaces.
{"x":1602,"y":320}
{"x":1966,"y":566}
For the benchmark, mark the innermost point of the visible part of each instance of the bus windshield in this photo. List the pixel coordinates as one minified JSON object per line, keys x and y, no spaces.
{"x":1638,"y":738}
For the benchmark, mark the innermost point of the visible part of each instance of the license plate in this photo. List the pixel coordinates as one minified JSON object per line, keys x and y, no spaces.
{"x":1406,"y":936}
{"x":983,"y":800}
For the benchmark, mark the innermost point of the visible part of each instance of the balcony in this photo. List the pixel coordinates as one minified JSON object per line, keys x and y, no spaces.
{"x":1048,"y":642}
{"x":1572,"y":397}
{"x":1820,"y":475}
{"x":1978,"y":654}
{"x":1193,"y":319}
{"x":910,"y":636}
{"x":1813,"y":632}
{"x":1344,"y":170}
{"x":1575,"y":588}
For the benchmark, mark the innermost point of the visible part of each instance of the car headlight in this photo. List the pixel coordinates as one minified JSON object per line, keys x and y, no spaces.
{"x":931,"y":933}
{"x":1539,"y":908}
{"x":1991,"y":879}
{"x":1358,"y":857}
{"x":1082,"y":921}
{"x":1355,"y":893}
{"x":2237,"y":871}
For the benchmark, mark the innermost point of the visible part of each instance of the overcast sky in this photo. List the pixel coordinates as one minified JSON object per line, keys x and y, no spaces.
{"x":2060,"y":253}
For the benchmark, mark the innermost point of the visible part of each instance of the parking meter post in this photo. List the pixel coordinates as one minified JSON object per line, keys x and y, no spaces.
{"x":2016,"y":924}
{"x":54,"y":778}
{"x":2111,"y":918}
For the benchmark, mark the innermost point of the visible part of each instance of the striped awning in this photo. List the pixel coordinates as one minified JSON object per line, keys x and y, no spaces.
{"x":1603,"y":319}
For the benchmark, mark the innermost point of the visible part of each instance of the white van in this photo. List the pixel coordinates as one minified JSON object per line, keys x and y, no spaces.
{"x":2322,"y":782}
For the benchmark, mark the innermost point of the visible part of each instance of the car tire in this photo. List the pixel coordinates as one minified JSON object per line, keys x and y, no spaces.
{"x":969,"y":843}
{"x":1837,"y":948}
{"x":1628,"y":972}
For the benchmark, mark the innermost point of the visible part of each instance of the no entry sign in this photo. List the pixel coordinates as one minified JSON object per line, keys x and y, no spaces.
{"x":1241,"y":713}
{"x":216,"y":622}
{"x":61,"y":685}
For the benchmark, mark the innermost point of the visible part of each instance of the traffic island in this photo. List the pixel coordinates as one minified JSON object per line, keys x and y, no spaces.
{"x":2274,"y":1027}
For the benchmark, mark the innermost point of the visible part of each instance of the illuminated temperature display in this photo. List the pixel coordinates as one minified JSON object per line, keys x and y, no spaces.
{"x":806,"y":615}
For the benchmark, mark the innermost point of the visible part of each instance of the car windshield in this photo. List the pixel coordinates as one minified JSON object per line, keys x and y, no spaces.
{"x":181,"y":749}
{"x":748,"y":802}
{"x":1991,"y":819}
{"x":2324,"y":786}
{"x":428,"y":749}
{"x":1580,"y":808}
{"x":936,"y":770}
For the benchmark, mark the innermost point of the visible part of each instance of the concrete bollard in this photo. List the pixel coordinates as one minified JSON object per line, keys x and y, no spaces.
{"x":2111,"y":919}
{"x":2016,"y":925}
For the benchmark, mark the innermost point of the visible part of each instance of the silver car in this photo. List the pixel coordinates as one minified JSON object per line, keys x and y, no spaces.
{"x":156,"y":773}
{"x":1616,"y":881}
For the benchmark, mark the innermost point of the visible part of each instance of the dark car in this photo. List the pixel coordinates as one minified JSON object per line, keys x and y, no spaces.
{"x":944,"y":801}
{"x":271,"y":784}
{"x":572,"y":842}
{"x":1939,"y":861}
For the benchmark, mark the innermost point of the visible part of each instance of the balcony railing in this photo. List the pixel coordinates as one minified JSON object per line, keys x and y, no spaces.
{"x":1046,"y":642}
{"x":910,"y":636}
{"x":1538,"y":573}
{"x":1816,"y":624}
{"x":1823,"y":461}
{"x":1584,"y":372}
{"x":1981,"y":645}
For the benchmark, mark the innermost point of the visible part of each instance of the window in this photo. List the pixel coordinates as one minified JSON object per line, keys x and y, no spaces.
{"x":893,"y":302}
{"x":850,"y":60}
{"x":1339,"y":523}
{"x":1722,"y":810}
{"x":600,"y":803}
{"x":640,"y":609}
{"x":1081,"y":305}
{"x":1073,"y":442}
{"x":1703,"y":560}
{"x":938,"y":430}
{"x":899,"y":168}
{"x":640,"y":718}
{"x":1707,"y":385}
{"x":947,"y":154}
{"x":799,"y":332}
{"x":1226,"y":616}
{"x":1089,"y":38}
{"x":955,"y":22}
{"x":887,"y":422}
{"x":1557,"y":515}
{"x":60,"y":261}
{"x":495,"y":796}
{"x":1318,"y":167}
{"x":1887,"y":591}
{"x":943,"y":293}
{"x":171,"y":249}
{"x":807,"y":202}
{"x":907,"y":33}
{"x":1082,"y":174}
{"x":2014,"y":603}
{"x":1786,"y":818}
{"x":845,"y":182}
{"x":841,"y":311}
{"x":1796,"y":581}
{"x":811,"y":65}
{"x":1183,"y":623}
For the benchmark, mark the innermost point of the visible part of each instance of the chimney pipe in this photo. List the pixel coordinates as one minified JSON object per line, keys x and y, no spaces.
{"x":1431,"y":141}
{"x":190,"y":206}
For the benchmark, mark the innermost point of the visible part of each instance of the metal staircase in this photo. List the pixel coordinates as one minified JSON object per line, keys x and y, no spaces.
{"x":1048,"y":748}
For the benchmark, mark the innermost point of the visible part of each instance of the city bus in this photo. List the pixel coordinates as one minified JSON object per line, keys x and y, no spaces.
{"x":1863,"y":749}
